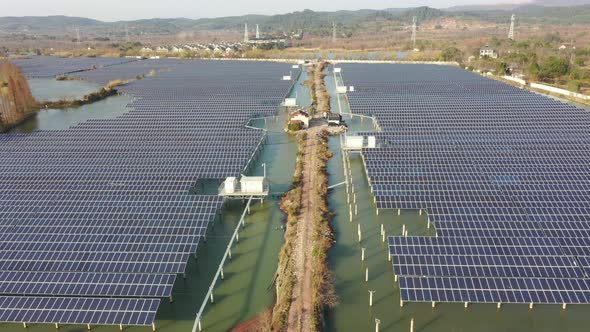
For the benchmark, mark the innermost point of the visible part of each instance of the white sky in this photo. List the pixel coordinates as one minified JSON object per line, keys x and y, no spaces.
{"x":114,"y":10}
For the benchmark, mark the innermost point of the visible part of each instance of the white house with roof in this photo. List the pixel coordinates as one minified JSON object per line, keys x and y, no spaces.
{"x":488,"y":52}
{"x":300,"y":116}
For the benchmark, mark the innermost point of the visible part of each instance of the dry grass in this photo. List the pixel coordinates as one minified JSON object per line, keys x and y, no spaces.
{"x":113,"y":84}
{"x":290,"y":204}
{"x":323,"y":291}
{"x":16,"y":100}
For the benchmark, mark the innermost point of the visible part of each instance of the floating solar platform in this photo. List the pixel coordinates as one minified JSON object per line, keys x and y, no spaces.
{"x":98,"y":219}
{"x":503,"y":174}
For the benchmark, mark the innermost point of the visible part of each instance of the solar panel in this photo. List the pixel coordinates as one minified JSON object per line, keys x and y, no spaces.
{"x":498,"y":290}
{"x":104,"y":208}
{"x":65,"y":310}
{"x":502,"y":172}
{"x":86,"y":284}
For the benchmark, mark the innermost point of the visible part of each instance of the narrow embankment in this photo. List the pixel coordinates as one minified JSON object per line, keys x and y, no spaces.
{"x":304,"y":283}
{"x":320,"y":98}
{"x":108,"y":90}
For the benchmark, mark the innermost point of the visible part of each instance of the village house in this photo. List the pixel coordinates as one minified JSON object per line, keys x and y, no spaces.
{"x":487,"y":52}
{"x":300,"y":116}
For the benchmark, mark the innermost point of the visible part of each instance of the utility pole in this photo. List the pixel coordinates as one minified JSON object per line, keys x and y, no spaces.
{"x":414,"y":31}
{"x":512,"y":24}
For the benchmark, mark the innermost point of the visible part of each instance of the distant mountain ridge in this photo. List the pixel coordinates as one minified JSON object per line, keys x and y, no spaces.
{"x":561,"y":3}
{"x":307,"y":21}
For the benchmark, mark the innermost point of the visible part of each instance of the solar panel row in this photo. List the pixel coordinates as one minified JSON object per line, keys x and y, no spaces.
{"x":103,"y":209}
{"x":502,"y":172}
{"x":50,"y":66}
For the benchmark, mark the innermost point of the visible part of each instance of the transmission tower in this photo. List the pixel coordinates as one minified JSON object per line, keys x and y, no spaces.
{"x":127,"y":33}
{"x":333,"y":32}
{"x":257,"y":32}
{"x":246,"y":37}
{"x":414,"y":30}
{"x":511,"y":31}
{"x":77,"y":35}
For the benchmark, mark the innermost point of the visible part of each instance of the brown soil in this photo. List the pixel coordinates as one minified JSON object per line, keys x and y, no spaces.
{"x":260,"y":323}
{"x":322,"y":96}
{"x":301,"y":305}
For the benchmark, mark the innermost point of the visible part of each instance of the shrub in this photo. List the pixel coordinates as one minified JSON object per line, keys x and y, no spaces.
{"x":554,"y":67}
{"x":295,"y":126}
{"x":574,"y":86}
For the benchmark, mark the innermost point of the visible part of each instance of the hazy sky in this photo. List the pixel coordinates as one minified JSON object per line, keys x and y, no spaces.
{"x":113,"y":10}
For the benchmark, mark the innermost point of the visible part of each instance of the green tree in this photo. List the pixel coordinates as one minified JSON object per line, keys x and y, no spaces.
{"x":554,"y":67}
{"x":495,"y":42}
{"x":533,"y":70}
{"x":452,"y":54}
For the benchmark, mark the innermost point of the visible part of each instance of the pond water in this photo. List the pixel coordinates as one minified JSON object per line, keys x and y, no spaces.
{"x":52,"y":119}
{"x":353,"y":312}
{"x":49,"y":89}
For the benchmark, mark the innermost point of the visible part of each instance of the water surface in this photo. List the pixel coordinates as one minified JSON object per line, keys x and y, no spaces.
{"x":50,"y":89}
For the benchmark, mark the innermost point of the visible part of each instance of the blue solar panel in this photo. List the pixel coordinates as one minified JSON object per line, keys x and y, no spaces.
{"x":494,"y":166}
{"x":65,"y":310}
{"x":104,"y":207}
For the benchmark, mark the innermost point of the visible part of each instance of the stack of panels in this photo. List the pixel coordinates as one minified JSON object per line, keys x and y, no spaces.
{"x":103,"y":209}
{"x":503,"y":173}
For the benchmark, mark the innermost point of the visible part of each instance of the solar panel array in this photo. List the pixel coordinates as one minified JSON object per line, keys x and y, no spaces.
{"x":50,"y":66}
{"x":102,"y":76}
{"x":100,"y":216}
{"x":503,"y":172}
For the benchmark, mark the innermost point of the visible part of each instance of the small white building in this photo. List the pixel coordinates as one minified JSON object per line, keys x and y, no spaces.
{"x":230,"y":185}
{"x":247,"y":186}
{"x":487,"y":52}
{"x":300,"y":116}
{"x":252,"y":184}
{"x":290,"y":102}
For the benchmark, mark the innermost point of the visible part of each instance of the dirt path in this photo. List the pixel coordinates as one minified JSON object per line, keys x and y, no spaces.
{"x":323,"y":97}
{"x":300,"y":311}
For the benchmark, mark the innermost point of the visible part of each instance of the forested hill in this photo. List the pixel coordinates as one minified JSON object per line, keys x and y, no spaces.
{"x":306,"y":21}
